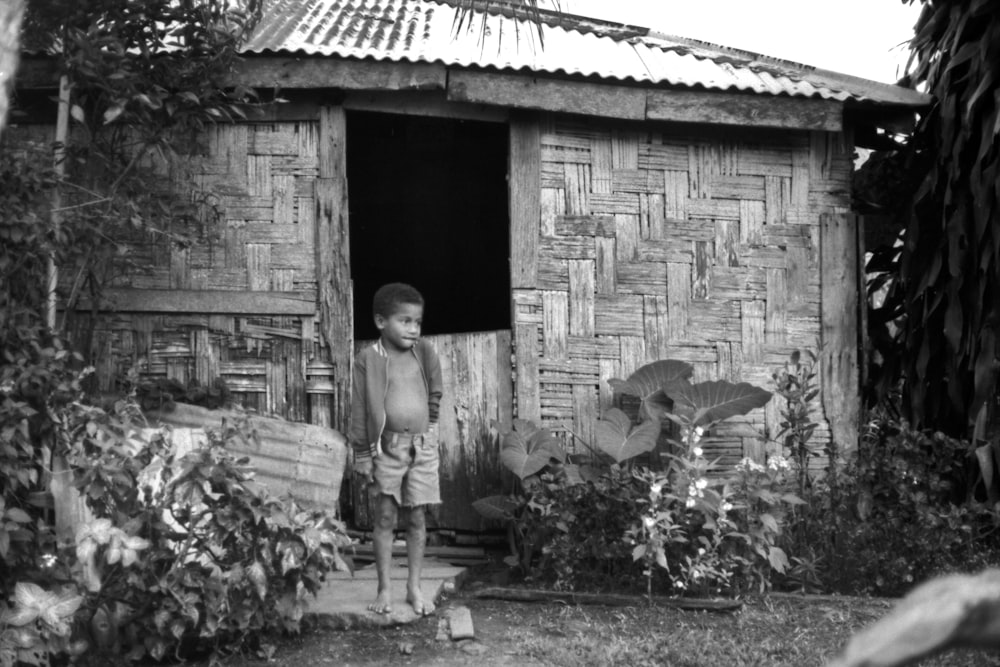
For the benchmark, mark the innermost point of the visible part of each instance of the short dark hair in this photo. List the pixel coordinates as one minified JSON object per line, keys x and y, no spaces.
{"x":389,"y":297}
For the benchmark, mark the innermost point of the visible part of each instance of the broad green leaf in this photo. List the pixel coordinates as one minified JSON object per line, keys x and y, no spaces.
{"x":17,"y":515}
{"x":498,"y":508}
{"x":527,"y":449}
{"x":779,"y":561}
{"x":112,"y":113}
{"x":617,"y":438}
{"x":717,"y":400}
{"x":650,"y":378}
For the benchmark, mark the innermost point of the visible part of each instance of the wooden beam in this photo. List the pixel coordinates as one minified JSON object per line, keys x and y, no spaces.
{"x":207,"y":301}
{"x":422,"y":103}
{"x":525,"y":183}
{"x":839,"y":327}
{"x":333,"y":258}
{"x":528,"y":92}
{"x":748,"y":110}
{"x":325,"y":72}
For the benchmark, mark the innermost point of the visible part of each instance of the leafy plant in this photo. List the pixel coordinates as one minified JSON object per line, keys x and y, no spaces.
{"x":222,"y":562}
{"x":582,"y":509}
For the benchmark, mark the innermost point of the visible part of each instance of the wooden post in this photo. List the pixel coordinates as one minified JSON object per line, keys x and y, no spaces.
{"x":839,"y":322}
{"x":525,"y":199}
{"x":333,"y":258}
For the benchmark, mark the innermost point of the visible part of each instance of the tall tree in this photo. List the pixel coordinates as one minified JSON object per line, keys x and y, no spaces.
{"x":945,"y":299}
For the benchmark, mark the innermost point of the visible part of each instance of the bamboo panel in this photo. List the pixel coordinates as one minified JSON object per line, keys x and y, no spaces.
{"x":555,"y":321}
{"x":626,"y":237}
{"x":581,"y":297}
{"x":663,"y":157}
{"x":584,"y":225}
{"x":645,"y":278}
{"x":553,"y":209}
{"x":618,"y":316}
{"x":737,"y":187}
{"x":652,"y":218}
{"x":610,"y":204}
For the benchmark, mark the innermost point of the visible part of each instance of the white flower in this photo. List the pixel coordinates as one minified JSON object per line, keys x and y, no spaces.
{"x":726,"y":506}
{"x":48,"y":560}
{"x":690,"y":502}
{"x":699,"y":431}
{"x":697,"y":451}
{"x":678,"y":584}
{"x":648,"y":521}
{"x":701,"y":483}
{"x":701,"y":551}
{"x":696,"y":575}
{"x":656,"y":488}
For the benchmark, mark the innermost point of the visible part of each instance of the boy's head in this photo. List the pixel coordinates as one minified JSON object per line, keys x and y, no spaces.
{"x":398,"y":309}
{"x":388,"y":298}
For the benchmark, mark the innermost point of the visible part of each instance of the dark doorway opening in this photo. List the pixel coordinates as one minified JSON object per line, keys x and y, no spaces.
{"x":428,"y":206}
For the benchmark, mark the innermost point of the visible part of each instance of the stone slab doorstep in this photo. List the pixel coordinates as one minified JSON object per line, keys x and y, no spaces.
{"x":343,"y":601}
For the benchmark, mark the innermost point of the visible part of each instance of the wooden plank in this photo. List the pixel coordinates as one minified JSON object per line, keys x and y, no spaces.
{"x":651,"y":217}
{"x":535,"y":92}
{"x":678,"y":300}
{"x":776,"y":309}
{"x":125,"y":299}
{"x":744,"y":109}
{"x":581,"y":297}
{"x":431,"y":103}
{"x":607,"y":274}
{"x":555,"y":323}
{"x":324,"y":72}
{"x":332,"y":257}
{"x":700,"y":271}
{"x":525,"y":198}
{"x":752,"y":318}
{"x":839,"y":320}
{"x":657,"y":326}
{"x":526,"y":371}
{"x":751,"y":223}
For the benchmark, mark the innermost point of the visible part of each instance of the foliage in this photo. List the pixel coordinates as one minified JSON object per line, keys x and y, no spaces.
{"x":222,"y":561}
{"x":585,"y":520}
{"x":937,"y":329}
{"x":911,"y":518}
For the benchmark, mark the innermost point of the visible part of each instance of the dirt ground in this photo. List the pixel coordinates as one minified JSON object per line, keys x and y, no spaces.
{"x":765,"y":632}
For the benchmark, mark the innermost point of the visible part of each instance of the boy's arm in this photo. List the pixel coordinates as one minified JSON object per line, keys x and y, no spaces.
{"x":358,"y":434}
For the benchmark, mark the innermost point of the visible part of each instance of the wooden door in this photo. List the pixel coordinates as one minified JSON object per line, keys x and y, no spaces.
{"x":478,"y":392}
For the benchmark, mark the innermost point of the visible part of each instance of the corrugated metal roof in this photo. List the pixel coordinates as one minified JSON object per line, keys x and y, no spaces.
{"x":428,"y":31}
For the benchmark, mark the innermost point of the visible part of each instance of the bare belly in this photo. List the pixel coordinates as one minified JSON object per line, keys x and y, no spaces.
{"x":406,"y":400}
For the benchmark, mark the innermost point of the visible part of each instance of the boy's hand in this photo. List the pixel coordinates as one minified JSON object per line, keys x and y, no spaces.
{"x":365,"y":468}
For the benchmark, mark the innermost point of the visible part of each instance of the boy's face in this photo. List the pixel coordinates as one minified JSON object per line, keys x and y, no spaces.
{"x":401,"y":330}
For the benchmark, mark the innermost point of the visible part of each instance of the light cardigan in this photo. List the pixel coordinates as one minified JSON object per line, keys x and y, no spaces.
{"x":371,"y":372}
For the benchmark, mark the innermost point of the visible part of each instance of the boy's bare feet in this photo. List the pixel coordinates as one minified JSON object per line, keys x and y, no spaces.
{"x":416,"y":599}
{"x":382,"y":604}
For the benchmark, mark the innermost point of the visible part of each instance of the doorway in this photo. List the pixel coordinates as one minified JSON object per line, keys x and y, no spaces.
{"x":428,"y":207}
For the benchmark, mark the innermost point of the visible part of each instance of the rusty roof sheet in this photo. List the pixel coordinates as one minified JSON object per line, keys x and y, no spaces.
{"x":506,"y":38}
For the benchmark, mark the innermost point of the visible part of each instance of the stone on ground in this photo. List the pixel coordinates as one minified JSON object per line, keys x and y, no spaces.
{"x":460,"y":623}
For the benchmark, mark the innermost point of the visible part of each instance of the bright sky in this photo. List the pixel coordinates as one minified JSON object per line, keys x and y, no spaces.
{"x":859,"y":37}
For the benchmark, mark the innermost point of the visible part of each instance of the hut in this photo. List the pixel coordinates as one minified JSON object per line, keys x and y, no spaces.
{"x":574,"y":200}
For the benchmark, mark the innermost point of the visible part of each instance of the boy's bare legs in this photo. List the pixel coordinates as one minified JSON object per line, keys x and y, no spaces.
{"x":385,"y":523}
{"x":416,"y":538}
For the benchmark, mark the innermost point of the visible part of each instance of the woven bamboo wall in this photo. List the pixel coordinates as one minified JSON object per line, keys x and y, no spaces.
{"x":653,"y":245}
{"x":256,"y":238}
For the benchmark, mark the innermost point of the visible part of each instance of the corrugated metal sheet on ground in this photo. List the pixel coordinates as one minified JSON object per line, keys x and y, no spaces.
{"x":303,"y":460}
{"x":426,"y":31}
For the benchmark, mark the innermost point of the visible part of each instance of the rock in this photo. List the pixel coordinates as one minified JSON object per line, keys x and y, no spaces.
{"x":460,"y":623}
{"x":442,"y":633}
{"x":473,"y":648}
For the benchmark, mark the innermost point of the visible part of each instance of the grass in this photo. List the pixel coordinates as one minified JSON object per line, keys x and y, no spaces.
{"x":766,"y":632}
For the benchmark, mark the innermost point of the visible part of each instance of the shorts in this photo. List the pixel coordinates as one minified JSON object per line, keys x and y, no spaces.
{"x":407,"y":468}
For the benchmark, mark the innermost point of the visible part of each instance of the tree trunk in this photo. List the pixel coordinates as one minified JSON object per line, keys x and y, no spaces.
{"x":11,"y":13}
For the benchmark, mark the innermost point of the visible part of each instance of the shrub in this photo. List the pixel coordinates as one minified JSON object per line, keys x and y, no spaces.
{"x":579,"y":521}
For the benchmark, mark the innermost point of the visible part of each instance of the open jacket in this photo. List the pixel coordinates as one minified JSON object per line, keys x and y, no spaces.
{"x":371,"y":372}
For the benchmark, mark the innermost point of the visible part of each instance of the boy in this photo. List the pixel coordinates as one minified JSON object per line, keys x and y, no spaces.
{"x":394,"y":413}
